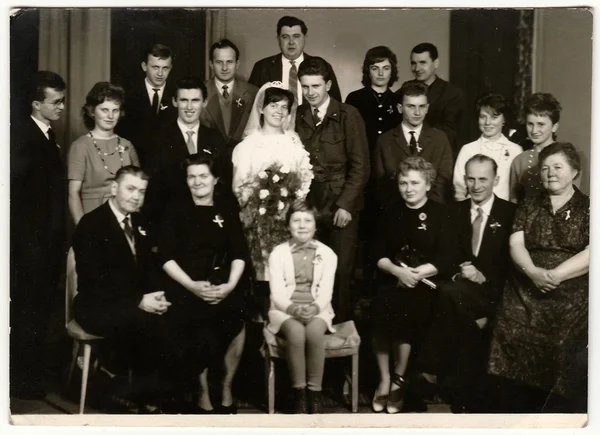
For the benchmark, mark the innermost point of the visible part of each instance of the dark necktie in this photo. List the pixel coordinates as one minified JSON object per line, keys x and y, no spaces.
{"x":293,"y":80}
{"x":51,"y":136}
{"x":225,"y":93}
{"x":316,"y":116}
{"x":476,"y":230}
{"x":155,"y":101}
{"x":127,"y":228}
{"x":413,"y":142}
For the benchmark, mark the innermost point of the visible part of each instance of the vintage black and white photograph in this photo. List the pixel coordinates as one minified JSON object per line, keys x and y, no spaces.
{"x":272,"y":212}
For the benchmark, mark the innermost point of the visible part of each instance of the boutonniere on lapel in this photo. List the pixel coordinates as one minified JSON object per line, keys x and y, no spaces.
{"x":318,"y":259}
{"x":219,"y":220}
{"x":141,"y":231}
{"x":494,"y":226}
{"x":163,"y":107}
{"x":239,"y":102}
{"x":423,"y":219}
{"x":419,"y":148}
{"x":568,"y":215}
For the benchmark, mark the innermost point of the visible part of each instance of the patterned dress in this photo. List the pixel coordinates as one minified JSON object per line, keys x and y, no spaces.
{"x":538,"y":334}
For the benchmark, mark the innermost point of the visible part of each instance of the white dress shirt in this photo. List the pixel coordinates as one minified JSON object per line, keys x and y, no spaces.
{"x":219,"y":84}
{"x":486,"y":208}
{"x":150,"y":90}
{"x":42,"y":126}
{"x":322,"y":109}
{"x":406,"y":129}
{"x":285,"y":74}
{"x":120,"y":217}
{"x":184,"y":129}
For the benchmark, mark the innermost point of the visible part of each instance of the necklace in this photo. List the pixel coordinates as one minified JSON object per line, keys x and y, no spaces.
{"x":119,"y":148}
{"x":380,"y":101}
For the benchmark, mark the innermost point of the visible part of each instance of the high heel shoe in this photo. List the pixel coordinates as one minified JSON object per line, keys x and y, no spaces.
{"x":379,"y":401}
{"x":395,"y":401}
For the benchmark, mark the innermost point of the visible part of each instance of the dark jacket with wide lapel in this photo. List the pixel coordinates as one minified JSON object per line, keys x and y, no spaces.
{"x":242,"y":100}
{"x":109,"y":274}
{"x":339,"y":152}
{"x":37,"y":191}
{"x":167,"y":178}
{"x":493,"y":260}
{"x":140,"y":124}
{"x":270,"y":68}
{"x":446,"y":106}
{"x":392,"y":148}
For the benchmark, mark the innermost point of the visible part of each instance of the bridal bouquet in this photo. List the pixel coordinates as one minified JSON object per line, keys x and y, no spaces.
{"x":273,"y":190}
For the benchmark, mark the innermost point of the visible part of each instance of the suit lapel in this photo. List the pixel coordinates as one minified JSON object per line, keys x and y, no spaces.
{"x":118,"y":236}
{"x":400,"y":147}
{"x":237,"y":110}
{"x":434,"y":91}
{"x":214,"y":108}
{"x":465,"y":219}
{"x":306,"y":115}
{"x":276,"y":68}
{"x":488,"y":232}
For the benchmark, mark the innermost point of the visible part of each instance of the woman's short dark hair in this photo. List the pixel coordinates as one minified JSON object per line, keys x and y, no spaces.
{"x":379,"y":54}
{"x":316,"y":66}
{"x":418,"y":164}
{"x":567,"y":149}
{"x":101,"y":92}
{"x":304,"y":206}
{"x":275,"y":94}
{"x":203,"y":158}
{"x":496,"y":102}
{"x":543,"y":104}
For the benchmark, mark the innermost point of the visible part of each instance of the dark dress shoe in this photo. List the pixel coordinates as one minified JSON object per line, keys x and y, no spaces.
{"x":315,"y":402}
{"x":300,"y":401}
{"x":395,"y":401}
{"x":226,"y":410}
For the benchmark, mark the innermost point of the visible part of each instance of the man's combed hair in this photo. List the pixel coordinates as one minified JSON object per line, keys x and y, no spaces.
{"x":131,"y":170}
{"x":224,"y":43}
{"x":40,"y":81}
{"x":482,"y":158}
{"x":191,"y":82}
{"x":316,"y":66}
{"x":426,"y":47}
{"x":412,"y":88}
{"x":290,"y":21}
{"x":157,"y":50}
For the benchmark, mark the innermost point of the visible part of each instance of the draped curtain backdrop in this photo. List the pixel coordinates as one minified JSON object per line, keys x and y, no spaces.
{"x":216,"y":29}
{"x":75,"y":43}
{"x":524,"y":76}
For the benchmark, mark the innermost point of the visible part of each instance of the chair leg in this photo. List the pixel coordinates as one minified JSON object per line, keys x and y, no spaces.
{"x":270,"y":371}
{"x":355,"y":382}
{"x":76,"y":346}
{"x":87,"y":352}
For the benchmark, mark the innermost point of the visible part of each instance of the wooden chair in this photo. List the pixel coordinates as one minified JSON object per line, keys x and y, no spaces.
{"x":344,"y":342}
{"x":76,"y":332}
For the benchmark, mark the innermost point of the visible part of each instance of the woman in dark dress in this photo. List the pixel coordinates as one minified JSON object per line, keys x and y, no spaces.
{"x":540,"y":340}
{"x":203,"y":252}
{"x":377,"y":105}
{"x":414,"y":243}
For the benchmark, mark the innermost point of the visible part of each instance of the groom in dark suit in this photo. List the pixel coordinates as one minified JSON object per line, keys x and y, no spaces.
{"x":230,"y":99}
{"x":412,"y":137}
{"x":37,"y":229}
{"x":148,"y":101}
{"x":483,"y":225}
{"x":177,"y":140}
{"x":118,"y":297}
{"x":283,"y":67}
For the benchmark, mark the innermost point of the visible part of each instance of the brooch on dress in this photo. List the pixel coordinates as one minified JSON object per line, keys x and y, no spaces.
{"x":422,"y":218}
{"x":568,"y":216}
{"x":218,"y":220}
{"x":318,"y":259}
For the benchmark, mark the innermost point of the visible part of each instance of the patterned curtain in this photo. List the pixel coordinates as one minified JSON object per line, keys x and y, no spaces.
{"x":216,"y":29}
{"x":523,"y":78}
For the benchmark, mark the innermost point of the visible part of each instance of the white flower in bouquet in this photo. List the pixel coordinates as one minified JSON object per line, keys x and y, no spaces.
{"x":262,"y":210}
{"x":263,"y":193}
{"x":280,"y":205}
{"x":284,"y":192}
{"x":276,"y":178}
{"x":262,"y":175}
{"x":285,"y":169}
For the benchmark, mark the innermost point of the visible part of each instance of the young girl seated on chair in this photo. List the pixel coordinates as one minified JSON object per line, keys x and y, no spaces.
{"x":301,"y":283}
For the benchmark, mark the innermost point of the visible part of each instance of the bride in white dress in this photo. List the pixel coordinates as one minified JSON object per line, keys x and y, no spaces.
{"x":270,"y":141}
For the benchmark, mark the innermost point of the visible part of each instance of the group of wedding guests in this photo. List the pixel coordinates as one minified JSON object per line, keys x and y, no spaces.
{"x":171,"y":235}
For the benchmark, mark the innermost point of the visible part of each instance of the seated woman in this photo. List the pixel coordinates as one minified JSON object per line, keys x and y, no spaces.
{"x":415,"y":242}
{"x":542,"y":325}
{"x":203,"y":252}
{"x":492,"y":110}
{"x":301,"y":282}
{"x":95,"y":157}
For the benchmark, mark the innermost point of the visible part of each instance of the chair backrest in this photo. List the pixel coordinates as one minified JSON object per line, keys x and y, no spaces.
{"x":70,"y":286}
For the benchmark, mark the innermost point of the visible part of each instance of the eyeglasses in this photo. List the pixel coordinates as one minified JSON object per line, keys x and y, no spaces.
{"x":54,"y":103}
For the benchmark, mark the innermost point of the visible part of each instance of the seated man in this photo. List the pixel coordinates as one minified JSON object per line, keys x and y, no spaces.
{"x":412,"y":138}
{"x":483,"y":224}
{"x":117,"y":299}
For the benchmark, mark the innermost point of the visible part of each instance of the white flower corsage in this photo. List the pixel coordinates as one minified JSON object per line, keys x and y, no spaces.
{"x":218,"y":220}
{"x":276,"y":178}
{"x":284,"y":192}
{"x":262,"y":210}
{"x":262,"y":175}
{"x":280,"y":205}
{"x":263,"y":193}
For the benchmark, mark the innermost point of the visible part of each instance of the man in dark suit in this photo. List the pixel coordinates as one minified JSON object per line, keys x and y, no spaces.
{"x":175,"y":141}
{"x":334,"y":134}
{"x":412,"y":138}
{"x":230,"y":99}
{"x":291,"y":37}
{"x":483,"y":225}
{"x":148,"y":101}
{"x":37,"y":230}
{"x":446,"y":101}
{"x":118,"y":297}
